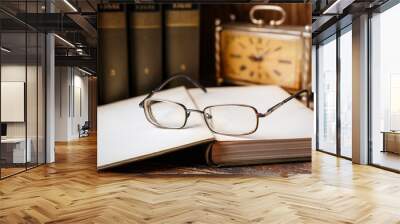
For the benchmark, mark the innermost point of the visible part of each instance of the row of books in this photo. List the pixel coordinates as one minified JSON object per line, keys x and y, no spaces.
{"x":139,"y":44}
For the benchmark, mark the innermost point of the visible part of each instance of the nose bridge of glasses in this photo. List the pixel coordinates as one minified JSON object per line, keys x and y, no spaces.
{"x":194,"y":110}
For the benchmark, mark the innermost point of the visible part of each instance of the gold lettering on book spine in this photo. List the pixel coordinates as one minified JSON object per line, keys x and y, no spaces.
{"x":111,"y":20}
{"x":189,"y":18}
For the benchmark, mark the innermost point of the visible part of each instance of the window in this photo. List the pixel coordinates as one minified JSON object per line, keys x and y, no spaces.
{"x":326,"y":96}
{"x":334,"y":106}
{"x":22,"y":101}
{"x":394,"y":102}
{"x":385,"y":89}
{"x":346,"y":92}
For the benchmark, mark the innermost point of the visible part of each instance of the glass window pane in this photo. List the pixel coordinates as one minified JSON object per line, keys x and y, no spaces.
{"x":22,"y":89}
{"x":31,"y":97}
{"x":14,"y":153}
{"x":327,"y":96}
{"x":313,"y":89}
{"x":346,"y":94}
{"x":385,"y":84}
{"x":41,"y":98}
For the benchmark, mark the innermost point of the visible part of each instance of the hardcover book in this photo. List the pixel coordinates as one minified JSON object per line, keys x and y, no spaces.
{"x":113,"y":78}
{"x":145,"y":47}
{"x":125,"y":135}
{"x":182,"y":21}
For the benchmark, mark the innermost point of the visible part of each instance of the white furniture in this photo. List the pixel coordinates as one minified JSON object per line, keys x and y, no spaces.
{"x":18,"y":149}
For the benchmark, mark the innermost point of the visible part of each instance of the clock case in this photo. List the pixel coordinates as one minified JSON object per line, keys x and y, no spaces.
{"x":303,"y":32}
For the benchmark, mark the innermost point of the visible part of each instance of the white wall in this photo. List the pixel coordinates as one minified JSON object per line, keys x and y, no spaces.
{"x":70,"y":83}
{"x":12,"y":73}
{"x":62,"y":83}
{"x":80,"y":84}
{"x":33,"y":126}
{"x":13,"y":101}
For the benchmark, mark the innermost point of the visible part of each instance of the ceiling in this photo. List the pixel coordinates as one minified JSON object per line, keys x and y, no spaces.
{"x":74,"y":22}
{"x":39,"y":6}
{"x":332,"y":15}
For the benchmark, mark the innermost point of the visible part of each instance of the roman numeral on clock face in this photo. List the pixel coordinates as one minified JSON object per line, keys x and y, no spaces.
{"x":235,"y":55}
{"x":282,"y":61}
{"x":278,"y":73}
{"x":251,"y":40}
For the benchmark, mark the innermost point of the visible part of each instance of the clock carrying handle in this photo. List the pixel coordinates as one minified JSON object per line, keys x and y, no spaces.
{"x":267,"y":8}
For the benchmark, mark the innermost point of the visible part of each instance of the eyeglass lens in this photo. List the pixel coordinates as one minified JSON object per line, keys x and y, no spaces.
{"x":222,"y":119}
{"x":231,"y":119}
{"x":165,"y":114}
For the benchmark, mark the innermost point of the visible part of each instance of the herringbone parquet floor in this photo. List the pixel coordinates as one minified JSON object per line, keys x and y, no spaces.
{"x":72,"y":191}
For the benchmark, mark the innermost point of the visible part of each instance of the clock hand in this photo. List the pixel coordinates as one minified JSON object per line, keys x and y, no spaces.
{"x":258,"y":57}
{"x":255,"y":58}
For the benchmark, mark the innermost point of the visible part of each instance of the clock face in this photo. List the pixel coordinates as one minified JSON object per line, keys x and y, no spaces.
{"x":264,"y":58}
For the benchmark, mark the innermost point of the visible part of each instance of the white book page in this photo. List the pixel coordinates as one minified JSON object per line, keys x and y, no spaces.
{"x":124,"y":134}
{"x":292,"y":120}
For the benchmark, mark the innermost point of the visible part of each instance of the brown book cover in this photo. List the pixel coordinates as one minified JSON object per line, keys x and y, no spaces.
{"x":145,"y":47}
{"x":231,"y":153}
{"x":113,"y":78}
{"x":182,"y":40}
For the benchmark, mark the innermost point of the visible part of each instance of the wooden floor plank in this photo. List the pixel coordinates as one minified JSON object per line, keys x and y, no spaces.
{"x":72,"y":191}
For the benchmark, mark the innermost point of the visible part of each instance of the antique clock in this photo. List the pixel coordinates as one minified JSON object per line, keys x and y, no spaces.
{"x":256,"y":53}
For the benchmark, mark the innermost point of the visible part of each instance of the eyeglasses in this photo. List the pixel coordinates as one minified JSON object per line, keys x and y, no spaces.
{"x":225,"y":119}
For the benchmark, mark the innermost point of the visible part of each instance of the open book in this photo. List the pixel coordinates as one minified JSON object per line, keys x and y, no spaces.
{"x":124,"y":134}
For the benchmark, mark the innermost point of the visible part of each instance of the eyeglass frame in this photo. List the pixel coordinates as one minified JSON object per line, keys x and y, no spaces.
{"x":188,"y":111}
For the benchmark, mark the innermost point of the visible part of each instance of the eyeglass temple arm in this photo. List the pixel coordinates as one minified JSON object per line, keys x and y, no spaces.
{"x":276,"y":106}
{"x":174,"y":77}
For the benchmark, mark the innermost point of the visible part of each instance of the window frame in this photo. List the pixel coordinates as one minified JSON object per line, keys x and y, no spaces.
{"x":347,"y":27}
{"x":378,"y":10}
{"x":28,"y":29}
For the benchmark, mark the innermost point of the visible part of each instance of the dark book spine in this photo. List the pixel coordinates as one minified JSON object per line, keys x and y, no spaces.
{"x":145,"y":47}
{"x":182,"y":40}
{"x":113,"y":75}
